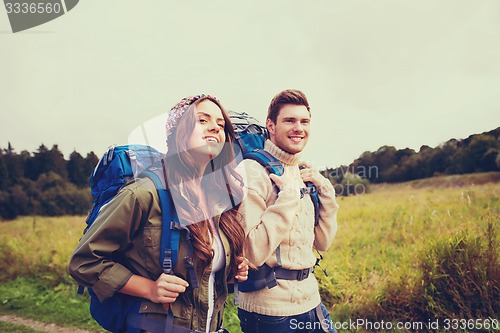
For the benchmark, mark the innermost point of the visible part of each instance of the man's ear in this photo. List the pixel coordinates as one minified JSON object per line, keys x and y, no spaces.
{"x":270,"y":125}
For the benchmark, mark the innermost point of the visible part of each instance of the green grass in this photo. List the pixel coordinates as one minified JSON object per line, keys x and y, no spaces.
{"x":385,"y":239}
{"x":40,"y":300}
{"x":231,"y":321}
{"x":38,"y":246}
{"x":383,"y":235}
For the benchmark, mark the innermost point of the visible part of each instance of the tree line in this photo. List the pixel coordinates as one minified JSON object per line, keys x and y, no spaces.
{"x":44,"y":183}
{"x":477,"y":153}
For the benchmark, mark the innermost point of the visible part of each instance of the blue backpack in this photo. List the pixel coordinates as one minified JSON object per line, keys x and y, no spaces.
{"x":117,"y":167}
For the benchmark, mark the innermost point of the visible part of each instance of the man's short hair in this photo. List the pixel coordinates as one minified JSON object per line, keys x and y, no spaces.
{"x":289,"y":96}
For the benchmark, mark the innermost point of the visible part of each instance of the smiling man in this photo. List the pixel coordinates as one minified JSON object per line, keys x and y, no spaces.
{"x":289,"y":127}
{"x":281,"y":229}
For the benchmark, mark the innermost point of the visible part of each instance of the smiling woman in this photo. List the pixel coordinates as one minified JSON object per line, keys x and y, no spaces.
{"x":121,"y":256}
{"x":208,"y":134}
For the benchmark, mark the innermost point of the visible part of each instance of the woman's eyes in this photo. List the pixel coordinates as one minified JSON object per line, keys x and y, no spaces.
{"x":204,"y":121}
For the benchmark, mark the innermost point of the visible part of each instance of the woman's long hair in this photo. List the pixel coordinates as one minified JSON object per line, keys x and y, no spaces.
{"x":182,"y":169}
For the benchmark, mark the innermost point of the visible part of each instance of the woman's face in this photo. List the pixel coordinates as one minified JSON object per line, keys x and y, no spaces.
{"x":208,"y":137}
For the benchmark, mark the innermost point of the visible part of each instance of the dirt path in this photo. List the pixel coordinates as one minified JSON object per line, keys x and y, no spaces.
{"x":39,"y":326}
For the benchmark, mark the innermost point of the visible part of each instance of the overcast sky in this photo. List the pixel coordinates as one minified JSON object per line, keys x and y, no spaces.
{"x":401,"y":73}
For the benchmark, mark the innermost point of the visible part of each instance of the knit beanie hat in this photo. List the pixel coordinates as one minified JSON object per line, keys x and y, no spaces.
{"x":178,"y":111}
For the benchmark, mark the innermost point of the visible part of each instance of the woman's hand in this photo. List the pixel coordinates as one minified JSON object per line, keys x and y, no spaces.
{"x":167,"y":288}
{"x":242,"y":273}
{"x":164,"y":290}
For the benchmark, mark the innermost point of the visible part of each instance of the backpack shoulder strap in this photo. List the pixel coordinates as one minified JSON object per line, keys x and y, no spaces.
{"x":272,"y":165}
{"x":268,"y":161}
{"x":170,"y":233}
{"x":315,"y":200}
{"x":312,"y":190}
{"x":171,"y":228}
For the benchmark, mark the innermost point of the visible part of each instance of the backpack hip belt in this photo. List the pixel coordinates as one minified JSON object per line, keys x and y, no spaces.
{"x":266,"y":276}
{"x":291,"y":274}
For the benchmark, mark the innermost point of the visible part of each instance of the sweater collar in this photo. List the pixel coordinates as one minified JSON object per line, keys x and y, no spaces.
{"x":280,"y":154}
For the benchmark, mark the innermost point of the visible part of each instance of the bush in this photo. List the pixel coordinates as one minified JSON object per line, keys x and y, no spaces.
{"x":352,"y":184}
{"x":460,"y":277}
{"x":457,"y":278}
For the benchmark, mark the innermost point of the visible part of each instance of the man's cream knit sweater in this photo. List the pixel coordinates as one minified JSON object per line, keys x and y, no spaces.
{"x":271,"y":219}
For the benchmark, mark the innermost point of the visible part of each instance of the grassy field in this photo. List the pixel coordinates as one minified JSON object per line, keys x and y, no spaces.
{"x":387,"y":237}
{"x":412,"y":252}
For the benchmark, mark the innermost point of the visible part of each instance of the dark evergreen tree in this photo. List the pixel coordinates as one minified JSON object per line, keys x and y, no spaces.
{"x":46,"y":160}
{"x":15,"y":164}
{"x":77,"y":171}
{"x":478,"y":155}
{"x":4,"y":173}
{"x":37,"y":165}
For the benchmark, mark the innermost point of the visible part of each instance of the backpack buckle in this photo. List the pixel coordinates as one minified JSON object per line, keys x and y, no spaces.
{"x":188,"y":262}
{"x":167,"y":263}
{"x":167,"y":266}
{"x":310,"y":189}
{"x":303,"y":274}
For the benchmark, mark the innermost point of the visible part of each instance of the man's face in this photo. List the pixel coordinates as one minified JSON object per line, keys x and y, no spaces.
{"x":291,"y":130}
